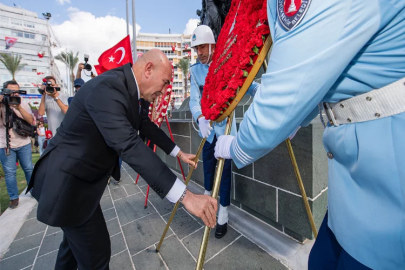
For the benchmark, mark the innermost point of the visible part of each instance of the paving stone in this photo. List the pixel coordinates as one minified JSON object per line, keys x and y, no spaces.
{"x":106,"y":202}
{"x":175,"y":255}
{"x":109,"y":214}
{"x":163,"y":206}
{"x":257,"y":196}
{"x":193,"y":242}
{"x":141,"y":182}
{"x":118,"y":192}
{"x":106,"y":192}
{"x":126,"y":179}
{"x":183,"y":224}
{"x":131,"y":189}
{"x":131,"y":208}
{"x":52,"y":230}
{"x":25,"y":244}
{"x":30,"y":227}
{"x":20,"y":261}
{"x":148,"y":259}
{"x":46,"y":262}
{"x":144,"y":232}
{"x":117,"y":244}
{"x":33,"y":213}
{"x":243,"y":254}
{"x":171,"y":162}
{"x":121,"y":261}
{"x":50,"y":243}
{"x":113,"y":227}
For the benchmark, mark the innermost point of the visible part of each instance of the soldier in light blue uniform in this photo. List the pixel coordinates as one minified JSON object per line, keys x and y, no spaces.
{"x":204,"y":42}
{"x":331,"y":51}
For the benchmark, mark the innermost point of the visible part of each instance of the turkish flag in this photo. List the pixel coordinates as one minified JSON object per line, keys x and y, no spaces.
{"x":116,"y":56}
{"x":173,"y":48}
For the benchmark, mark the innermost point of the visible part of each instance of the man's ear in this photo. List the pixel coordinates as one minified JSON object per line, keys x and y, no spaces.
{"x":148,"y":69}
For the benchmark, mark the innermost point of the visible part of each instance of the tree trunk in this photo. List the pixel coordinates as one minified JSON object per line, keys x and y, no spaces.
{"x":72,"y":79}
{"x":185,"y":86}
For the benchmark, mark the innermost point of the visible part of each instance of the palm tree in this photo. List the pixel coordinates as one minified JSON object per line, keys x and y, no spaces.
{"x":12,"y":63}
{"x":183,"y":64}
{"x":70,"y":60}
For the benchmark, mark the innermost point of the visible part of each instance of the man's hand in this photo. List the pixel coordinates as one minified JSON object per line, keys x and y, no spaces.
{"x":54,"y":94}
{"x":81,"y":66}
{"x":187,"y":158}
{"x":223,"y":147}
{"x":205,"y":126}
{"x":202,"y":206}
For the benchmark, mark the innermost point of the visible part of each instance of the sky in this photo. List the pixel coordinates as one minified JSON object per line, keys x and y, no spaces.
{"x":93,"y":26}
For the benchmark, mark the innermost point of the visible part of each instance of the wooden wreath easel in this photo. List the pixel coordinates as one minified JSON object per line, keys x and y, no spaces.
{"x":154,"y":150}
{"x":218,"y":174}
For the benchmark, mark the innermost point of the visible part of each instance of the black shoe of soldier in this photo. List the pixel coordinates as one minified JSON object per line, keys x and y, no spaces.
{"x":221,"y":230}
{"x":13,"y":203}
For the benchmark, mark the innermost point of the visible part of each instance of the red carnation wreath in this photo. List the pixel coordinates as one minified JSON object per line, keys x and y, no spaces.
{"x":158,"y":109}
{"x":239,"y":44}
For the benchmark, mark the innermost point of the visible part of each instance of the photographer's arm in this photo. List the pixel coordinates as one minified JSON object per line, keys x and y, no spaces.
{"x":79,"y":71}
{"x":41,"y":109}
{"x":62,"y":106}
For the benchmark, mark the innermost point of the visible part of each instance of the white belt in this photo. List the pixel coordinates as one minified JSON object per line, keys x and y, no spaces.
{"x":376,"y":104}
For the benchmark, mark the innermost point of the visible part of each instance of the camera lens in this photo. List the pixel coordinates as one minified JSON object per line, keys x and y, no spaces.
{"x":87,"y":67}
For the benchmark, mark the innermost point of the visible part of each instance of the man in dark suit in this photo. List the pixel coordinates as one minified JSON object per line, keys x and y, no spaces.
{"x":102,"y":124}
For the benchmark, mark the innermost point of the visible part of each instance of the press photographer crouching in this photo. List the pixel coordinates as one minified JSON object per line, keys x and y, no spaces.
{"x":53,"y":102}
{"x":15,"y":137}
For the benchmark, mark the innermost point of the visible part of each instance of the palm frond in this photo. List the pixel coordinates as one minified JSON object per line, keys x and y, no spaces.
{"x":12,"y":63}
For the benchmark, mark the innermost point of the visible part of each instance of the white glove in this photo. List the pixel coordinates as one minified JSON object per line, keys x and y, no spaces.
{"x":223,"y":147}
{"x":295,"y":132}
{"x":205,"y":127}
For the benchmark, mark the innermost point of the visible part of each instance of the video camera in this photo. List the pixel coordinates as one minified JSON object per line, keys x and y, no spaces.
{"x":48,"y":87}
{"x":9,"y":99}
{"x":87,"y":66}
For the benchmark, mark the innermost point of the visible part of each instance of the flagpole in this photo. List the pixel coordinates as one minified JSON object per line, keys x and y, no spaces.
{"x":126,"y":6}
{"x":135,"y":57}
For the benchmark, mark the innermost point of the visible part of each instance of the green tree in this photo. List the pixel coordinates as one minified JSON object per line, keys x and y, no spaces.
{"x":12,"y":63}
{"x":70,"y":60}
{"x":183,"y":64}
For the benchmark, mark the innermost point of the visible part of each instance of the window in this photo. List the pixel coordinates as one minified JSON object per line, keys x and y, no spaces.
{"x":43,"y":38}
{"x":17,"y":33}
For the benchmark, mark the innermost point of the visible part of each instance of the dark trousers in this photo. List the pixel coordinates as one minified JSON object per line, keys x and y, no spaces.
{"x":327,"y":254}
{"x":210,"y":163}
{"x":86,"y":246}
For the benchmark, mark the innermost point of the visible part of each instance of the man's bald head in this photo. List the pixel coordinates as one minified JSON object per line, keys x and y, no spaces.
{"x":153,"y":72}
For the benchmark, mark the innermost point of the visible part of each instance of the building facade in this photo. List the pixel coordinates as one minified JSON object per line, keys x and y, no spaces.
{"x":182,"y":49}
{"x":33,"y":42}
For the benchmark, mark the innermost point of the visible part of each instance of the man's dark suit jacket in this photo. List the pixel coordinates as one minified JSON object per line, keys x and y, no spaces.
{"x":101,"y":124}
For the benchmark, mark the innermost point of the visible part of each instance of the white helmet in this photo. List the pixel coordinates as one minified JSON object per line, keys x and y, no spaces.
{"x":202,"y":35}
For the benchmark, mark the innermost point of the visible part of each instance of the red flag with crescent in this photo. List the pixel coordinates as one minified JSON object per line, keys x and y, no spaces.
{"x":116,"y":56}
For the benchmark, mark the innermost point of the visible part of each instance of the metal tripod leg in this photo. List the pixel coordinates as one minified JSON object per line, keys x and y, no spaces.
{"x":197,"y":156}
{"x":215,"y":190}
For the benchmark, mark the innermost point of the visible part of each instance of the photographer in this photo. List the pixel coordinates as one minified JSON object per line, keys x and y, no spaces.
{"x":53,"y":103}
{"x":20,"y":146}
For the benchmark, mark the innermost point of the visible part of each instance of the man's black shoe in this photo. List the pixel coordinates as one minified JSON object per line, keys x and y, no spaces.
{"x":221,"y":230}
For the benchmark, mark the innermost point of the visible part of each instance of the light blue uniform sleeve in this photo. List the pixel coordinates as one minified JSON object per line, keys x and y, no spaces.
{"x":253,"y":89}
{"x":304,"y":64}
{"x":195,"y":97}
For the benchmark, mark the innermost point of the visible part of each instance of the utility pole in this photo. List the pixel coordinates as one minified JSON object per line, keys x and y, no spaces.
{"x":127,"y":17}
{"x":135,"y":56}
